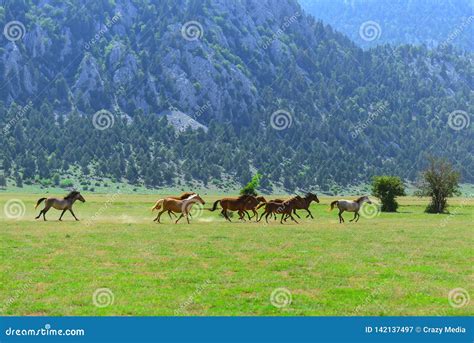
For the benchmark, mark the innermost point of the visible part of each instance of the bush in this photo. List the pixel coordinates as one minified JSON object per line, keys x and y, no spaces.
{"x":387,"y":188}
{"x":251,"y":187}
{"x":66,"y":183}
{"x":439,"y":181}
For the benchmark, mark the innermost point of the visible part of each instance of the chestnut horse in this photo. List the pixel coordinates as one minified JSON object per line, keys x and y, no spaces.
{"x":251,"y":206}
{"x":183,"y":196}
{"x":179,"y":206}
{"x":302,"y":204}
{"x":284,"y":208}
{"x":241,"y":204}
{"x":350,"y":206}
{"x":60,"y":204}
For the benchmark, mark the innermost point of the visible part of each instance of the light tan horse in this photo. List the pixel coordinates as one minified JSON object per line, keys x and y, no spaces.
{"x":350,"y":206}
{"x":60,"y":204}
{"x":179,"y":206}
{"x":183,"y":196}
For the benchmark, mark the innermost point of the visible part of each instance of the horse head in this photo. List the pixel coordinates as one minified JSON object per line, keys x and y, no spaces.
{"x":312,"y":197}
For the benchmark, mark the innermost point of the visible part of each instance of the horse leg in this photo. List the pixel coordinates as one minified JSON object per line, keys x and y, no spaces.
{"x":341,"y":220}
{"x":177,"y":220}
{"x":224,"y":213}
{"x":281,"y":219}
{"x":309,"y":214}
{"x":70,"y":210}
{"x":266,"y":217}
{"x":241,"y":215}
{"x":355,"y":215}
{"x":159,"y":216}
{"x":358,"y":216}
{"x":293,"y":218}
{"x":171,"y":213}
{"x":46,"y":209}
{"x":39,"y":215}
{"x":61,"y":215}
{"x":187,"y":217}
{"x":255,"y":214}
{"x":296,"y":214}
{"x":248,"y":215}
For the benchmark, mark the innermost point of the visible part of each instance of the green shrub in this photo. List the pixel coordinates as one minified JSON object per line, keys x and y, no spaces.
{"x":387,"y":188}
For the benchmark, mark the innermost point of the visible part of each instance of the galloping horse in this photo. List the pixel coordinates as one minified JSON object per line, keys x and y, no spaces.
{"x":284,"y":208}
{"x":350,"y":206}
{"x":241,"y":204}
{"x":60,"y":204}
{"x":179,"y":206}
{"x":302,"y":204}
{"x":183,"y":196}
{"x":251,"y":206}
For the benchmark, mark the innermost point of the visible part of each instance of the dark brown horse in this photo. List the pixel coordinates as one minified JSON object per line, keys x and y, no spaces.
{"x":305,"y":203}
{"x":284,"y":208}
{"x":60,"y":204}
{"x":241,"y":204}
{"x":183,"y":196}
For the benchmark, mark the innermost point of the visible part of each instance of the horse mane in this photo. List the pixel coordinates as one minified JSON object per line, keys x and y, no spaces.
{"x":71,"y":194}
{"x":360,"y":198}
{"x":186,"y":195}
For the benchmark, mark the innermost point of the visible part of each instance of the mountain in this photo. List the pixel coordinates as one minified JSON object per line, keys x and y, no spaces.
{"x":170,"y":92}
{"x":372,"y":22}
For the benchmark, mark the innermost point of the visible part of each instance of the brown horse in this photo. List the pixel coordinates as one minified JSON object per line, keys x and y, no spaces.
{"x":183,"y":196}
{"x":284,"y":208}
{"x":236,"y":204}
{"x":281,"y":201}
{"x":179,"y":206}
{"x":60,"y":204}
{"x":305,"y":203}
{"x":251,"y":205}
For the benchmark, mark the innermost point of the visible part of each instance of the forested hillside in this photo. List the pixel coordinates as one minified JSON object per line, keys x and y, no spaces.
{"x":371,"y":22}
{"x":92,"y":83}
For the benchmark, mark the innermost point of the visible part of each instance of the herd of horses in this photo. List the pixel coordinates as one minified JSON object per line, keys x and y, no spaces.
{"x":243,"y":205}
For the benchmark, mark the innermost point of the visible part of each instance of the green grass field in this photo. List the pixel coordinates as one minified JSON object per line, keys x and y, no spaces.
{"x":402,"y":263}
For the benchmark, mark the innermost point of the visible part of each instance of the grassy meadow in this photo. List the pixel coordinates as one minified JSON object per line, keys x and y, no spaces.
{"x":401,"y":263}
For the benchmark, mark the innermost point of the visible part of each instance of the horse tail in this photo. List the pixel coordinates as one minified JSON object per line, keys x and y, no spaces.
{"x":157,"y":205}
{"x":214,"y":207}
{"x":39,"y":202}
{"x":261,"y":205}
{"x":334,"y":203}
